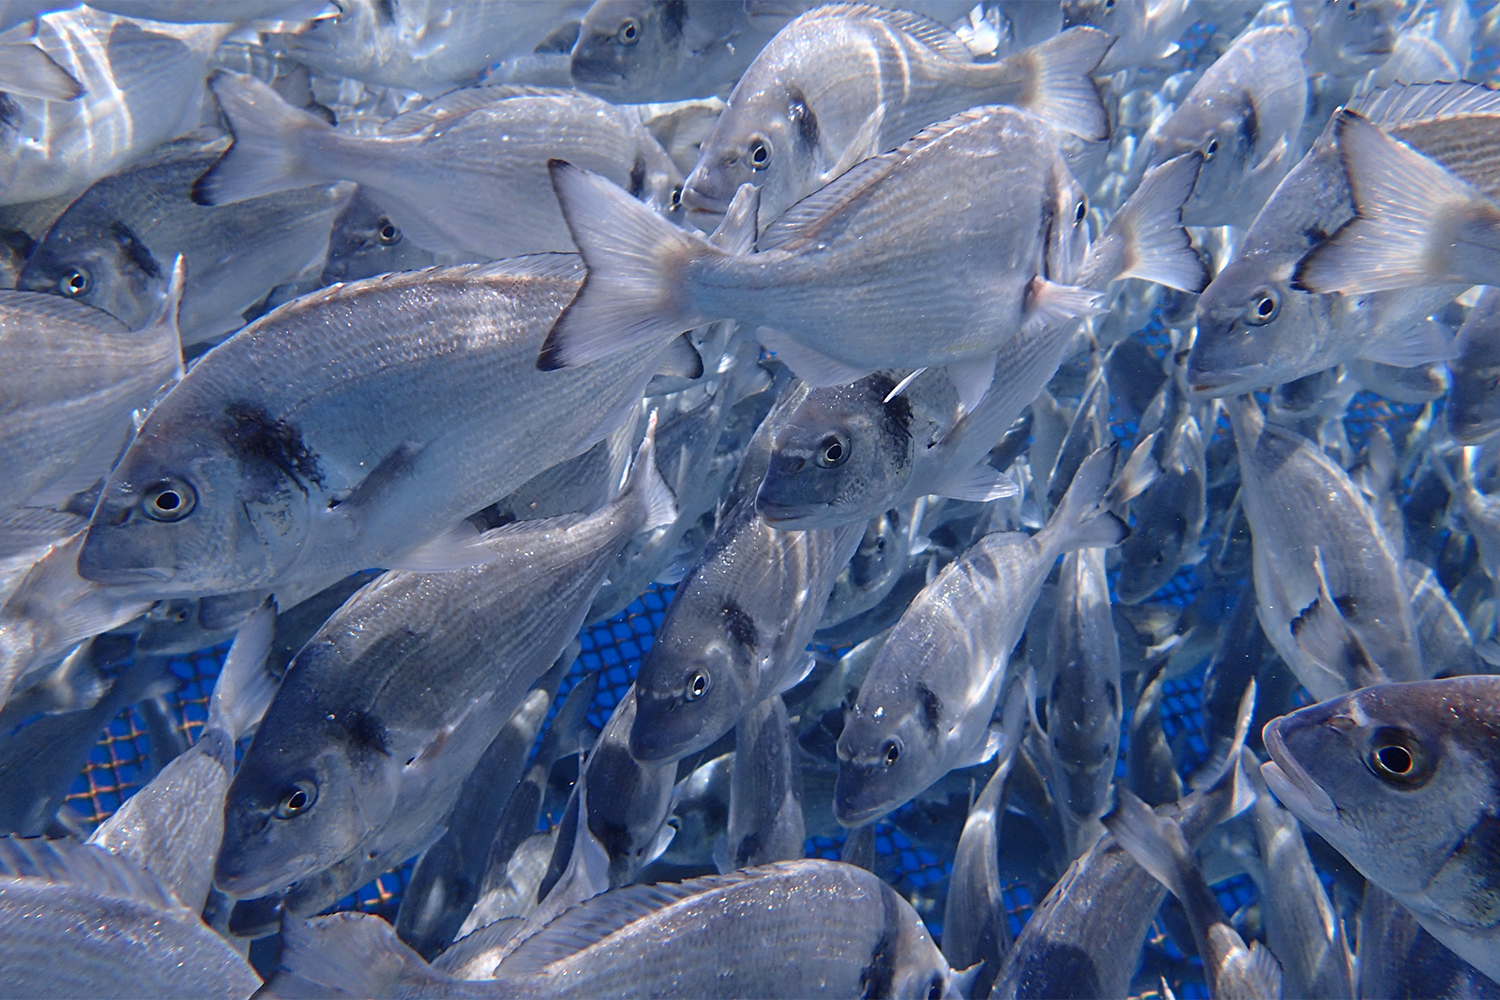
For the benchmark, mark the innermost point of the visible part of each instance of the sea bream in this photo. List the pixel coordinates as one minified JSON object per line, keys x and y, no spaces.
{"x":974,"y":231}
{"x":309,"y":445}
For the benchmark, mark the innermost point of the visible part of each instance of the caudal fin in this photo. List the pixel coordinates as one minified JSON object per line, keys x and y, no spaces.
{"x":632,"y":294}
{"x":347,"y":955}
{"x":1145,"y":238}
{"x":1060,"y":91}
{"x":1417,"y":223}
{"x":270,"y":137}
{"x":1155,"y":842}
{"x":1083,"y":520}
{"x":645,"y":481}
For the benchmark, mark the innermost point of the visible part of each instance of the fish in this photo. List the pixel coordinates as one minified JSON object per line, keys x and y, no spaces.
{"x":1151,"y":771}
{"x":1397,"y":956}
{"x":925,"y":705}
{"x":1244,"y":115}
{"x":1158,"y":845}
{"x":82,"y":921}
{"x":1256,"y":327}
{"x":465,"y":175}
{"x":1349,"y":40}
{"x":139,"y":81}
{"x":648,"y":279}
{"x":241,"y":481}
{"x":844,"y":82}
{"x":1144,"y":31}
{"x":1472,"y":400}
{"x":700,"y":815}
{"x":855,"y":935}
{"x":376,"y":779}
{"x":27,"y":70}
{"x":424,"y":45}
{"x":765,"y":791}
{"x":1415,"y":225}
{"x":113,"y":248}
{"x":364,"y":242}
{"x":95,"y":371}
{"x":1332,"y":598}
{"x":1399,"y":779}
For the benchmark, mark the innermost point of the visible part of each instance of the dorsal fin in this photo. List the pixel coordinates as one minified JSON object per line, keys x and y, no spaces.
{"x":532,"y":265}
{"x":936,"y":36}
{"x":460,"y":102}
{"x":1403,"y":103}
{"x":67,"y":862}
{"x":596,"y":919}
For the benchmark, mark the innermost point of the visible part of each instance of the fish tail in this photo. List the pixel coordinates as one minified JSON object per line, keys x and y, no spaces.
{"x":245,"y":688}
{"x":1060,"y":90}
{"x":163,"y":323}
{"x":1152,"y":840}
{"x":348,"y":954}
{"x":631,"y":295}
{"x":645,"y":481}
{"x":1083,"y":520}
{"x":269,"y":139}
{"x":1145,"y":238}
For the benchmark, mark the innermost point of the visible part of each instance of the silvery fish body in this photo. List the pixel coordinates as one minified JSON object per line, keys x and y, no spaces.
{"x":1473,"y":410}
{"x":305,"y":447}
{"x":1398,"y":957}
{"x":1401,"y":779}
{"x":426,"y":45}
{"x":113,"y":248}
{"x":140,"y":83}
{"x":389,"y":706}
{"x":976,"y":927}
{"x":81,"y":922}
{"x":926,"y":703}
{"x":1332,"y":598}
{"x":465,"y":175}
{"x":845,"y":82}
{"x":765,"y":806}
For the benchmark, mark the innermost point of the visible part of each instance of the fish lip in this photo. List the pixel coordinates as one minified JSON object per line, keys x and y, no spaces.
{"x":120,"y":575}
{"x":863,"y":817}
{"x":1288,"y":779}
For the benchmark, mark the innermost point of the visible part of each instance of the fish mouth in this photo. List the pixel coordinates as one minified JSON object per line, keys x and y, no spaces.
{"x":120,"y":576}
{"x":1290,"y":782}
{"x":704,"y":211}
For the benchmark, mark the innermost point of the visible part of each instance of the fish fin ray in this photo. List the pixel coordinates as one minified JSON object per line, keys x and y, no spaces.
{"x":736,"y":233}
{"x":931,"y":33}
{"x":1062,"y":94}
{"x":812,"y":366}
{"x":267,"y":153}
{"x":972,"y":379}
{"x":245,"y":688}
{"x":1145,"y":238}
{"x":980,"y":483}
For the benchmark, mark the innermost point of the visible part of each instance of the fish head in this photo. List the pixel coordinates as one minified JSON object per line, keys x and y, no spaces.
{"x":105,"y":266}
{"x":1254,"y":330}
{"x":768,"y":136}
{"x":202,"y":504}
{"x":907,"y":963}
{"x":1350,"y":39}
{"x":844,"y":454}
{"x":696,"y":681}
{"x":355,"y":35}
{"x":889,"y":751}
{"x":1154,"y":550}
{"x":1225,"y":130}
{"x":625,"y":46}
{"x":1403,"y":780}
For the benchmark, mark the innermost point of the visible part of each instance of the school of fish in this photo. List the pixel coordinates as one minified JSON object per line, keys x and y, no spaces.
{"x":983,"y":384}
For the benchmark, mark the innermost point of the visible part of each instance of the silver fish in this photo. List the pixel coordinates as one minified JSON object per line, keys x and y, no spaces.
{"x":81,"y":922}
{"x":113,"y":247}
{"x":465,"y":175}
{"x":765,"y":803}
{"x":925,"y":706}
{"x":377,"y":778}
{"x":1398,"y":958}
{"x":1349,"y":39}
{"x":139,"y":81}
{"x":845,"y":82}
{"x":242,"y":479}
{"x":870,"y":233}
{"x":1401,"y":780}
{"x":1473,"y":410}
{"x":1332,"y":598}
{"x":795,"y":923}
{"x":365,"y":242}
{"x":1151,"y":771}
{"x":1144,"y":31}
{"x":70,"y":375}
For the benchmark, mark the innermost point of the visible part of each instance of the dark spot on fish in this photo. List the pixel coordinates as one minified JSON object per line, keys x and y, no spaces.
{"x":1479,"y":855}
{"x":1056,"y":970}
{"x":897,"y":412}
{"x":385,"y":10}
{"x":749,"y":847}
{"x":1249,"y":130}
{"x":739,"y":625}
{"x":932,"y":707}
{"x":674,"y":14}
{"x":637,"y":177}
{"x":1112,"y":695}
{"x":1347,"y":605}
{"x":365,"y":732}
{"x":134,"y":250}
{"x":879,"y":977}
{"x":255,"y":437}
{"x":1314,"y":235}
{"x":1044,"y":232}
{"x":802,"y":117}
{"x":10,"y":112}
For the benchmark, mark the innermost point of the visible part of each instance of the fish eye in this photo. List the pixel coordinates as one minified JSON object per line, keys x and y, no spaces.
{"x":1210,"y":150}
{"x":760,"y":152}
{"x":1396,"y":758}
{"x":1264,"y":305}
{"x":1109,"y":4}
{"x":1081,"y":212}
{"x":74,"y":283}
{"x":892,"y":752}
{"x":297,"y":799}
{"x":677,"y":196}
{"x":169,"y":500}
{"x":697,"y":686}
{"x":629,"y":32}
{"x":833,"y":451}
{"x":387,"y":232}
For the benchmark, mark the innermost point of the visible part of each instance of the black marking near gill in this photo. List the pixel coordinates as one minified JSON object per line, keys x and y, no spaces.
{"x":365,"y":732}
{"x":739,"y":624}
{"x":1249,"y":130}
{"x":674,"y":14}
{"x":803,"y":118}
{"x":256,"y":437}
{"x":898,"y":415}
{"x":879,"y":977}
{"x":932,"y":707}
{"x":134,"y":250}
{"x":638,"y":177}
